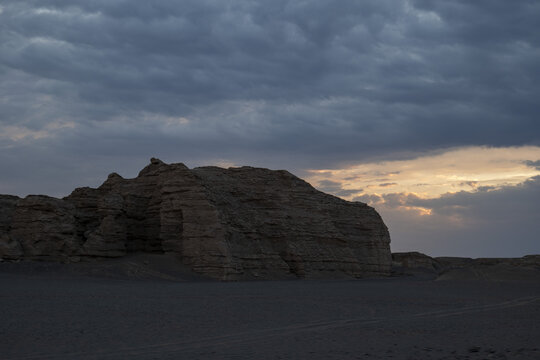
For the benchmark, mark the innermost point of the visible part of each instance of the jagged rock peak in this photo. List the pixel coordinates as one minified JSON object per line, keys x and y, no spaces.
{"x":156,"y":166}
{"x":229,"y":224}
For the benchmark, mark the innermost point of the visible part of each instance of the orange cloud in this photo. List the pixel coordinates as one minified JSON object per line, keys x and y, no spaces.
{"x":430,"y":176}
{"x":413,"y":186}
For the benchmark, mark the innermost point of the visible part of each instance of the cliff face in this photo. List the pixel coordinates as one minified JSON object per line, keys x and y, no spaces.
{"x":230,"y":224}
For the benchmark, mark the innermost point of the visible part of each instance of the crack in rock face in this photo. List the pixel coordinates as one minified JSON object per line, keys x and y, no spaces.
{"x":229,"y":224}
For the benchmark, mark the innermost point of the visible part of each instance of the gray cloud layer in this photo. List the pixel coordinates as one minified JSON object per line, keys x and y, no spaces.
{"x":283,"y":84}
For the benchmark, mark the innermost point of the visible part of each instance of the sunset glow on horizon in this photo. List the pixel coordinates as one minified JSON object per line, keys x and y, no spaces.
{"x":463,"y":169}
{"x":447,"y":200}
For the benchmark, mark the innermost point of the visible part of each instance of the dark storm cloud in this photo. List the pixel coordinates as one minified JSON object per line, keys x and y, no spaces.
{"x":282,"y":84}
{"x":534,"y":164}
{"x":335,"y":188}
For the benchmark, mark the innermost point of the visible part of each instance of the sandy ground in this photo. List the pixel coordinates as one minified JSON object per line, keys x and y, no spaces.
{"x":53,"y":311}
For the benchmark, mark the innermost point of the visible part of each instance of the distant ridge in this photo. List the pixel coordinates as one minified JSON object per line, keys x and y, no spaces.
{"x":463,"y":268}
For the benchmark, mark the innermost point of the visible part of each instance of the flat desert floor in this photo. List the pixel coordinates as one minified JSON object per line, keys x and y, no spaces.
{"x":50,"y":311}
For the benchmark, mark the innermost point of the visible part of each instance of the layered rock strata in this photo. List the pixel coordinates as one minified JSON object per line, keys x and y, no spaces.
{"x":229,"y":224}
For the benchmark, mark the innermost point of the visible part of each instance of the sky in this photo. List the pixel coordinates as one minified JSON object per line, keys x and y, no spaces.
{"x":429,"y":111}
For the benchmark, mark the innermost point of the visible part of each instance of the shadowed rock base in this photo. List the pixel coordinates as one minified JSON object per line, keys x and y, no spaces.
{"x":228,"y":224}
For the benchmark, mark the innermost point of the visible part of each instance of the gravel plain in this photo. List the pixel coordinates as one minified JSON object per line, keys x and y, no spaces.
{"x":55,"y":311}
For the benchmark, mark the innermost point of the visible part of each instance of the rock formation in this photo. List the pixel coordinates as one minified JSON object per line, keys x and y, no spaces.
{"x":229,"y":224}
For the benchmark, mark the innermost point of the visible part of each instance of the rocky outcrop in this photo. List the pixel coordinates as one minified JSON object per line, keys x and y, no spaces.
{"x":230,"y":224}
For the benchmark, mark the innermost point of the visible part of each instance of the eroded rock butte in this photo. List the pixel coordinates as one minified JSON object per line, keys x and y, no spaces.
{"x":229,"y":224}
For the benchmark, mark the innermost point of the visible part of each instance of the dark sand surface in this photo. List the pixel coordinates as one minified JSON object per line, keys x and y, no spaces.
{"x":54,"y":311}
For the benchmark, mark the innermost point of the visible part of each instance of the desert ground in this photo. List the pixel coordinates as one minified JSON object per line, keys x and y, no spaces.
{"x":146,"y":308}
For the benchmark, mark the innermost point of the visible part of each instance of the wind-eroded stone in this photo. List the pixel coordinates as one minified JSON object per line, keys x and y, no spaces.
{"x":236,"y":223}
